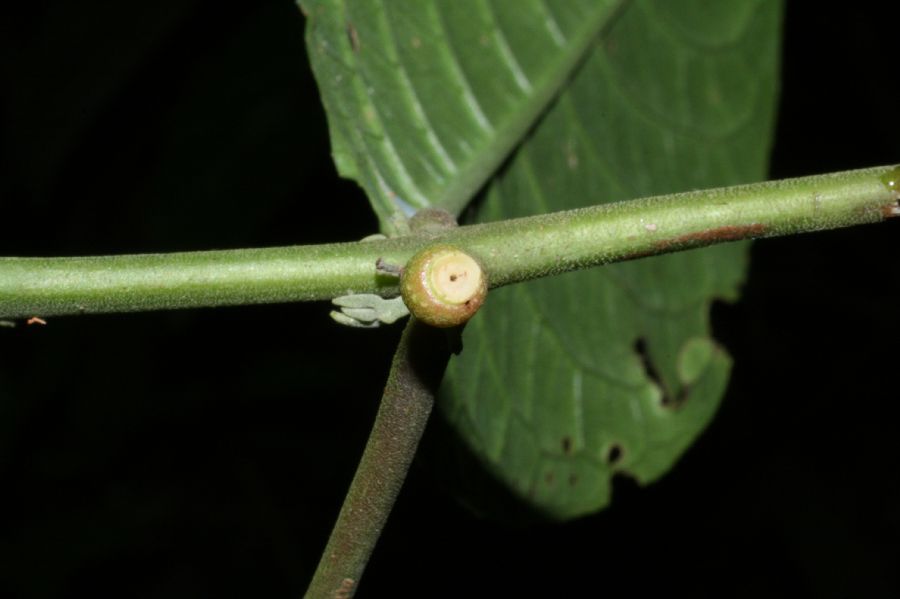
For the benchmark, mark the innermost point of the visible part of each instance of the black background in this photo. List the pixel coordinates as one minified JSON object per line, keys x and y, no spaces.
{"x":204,"y":453}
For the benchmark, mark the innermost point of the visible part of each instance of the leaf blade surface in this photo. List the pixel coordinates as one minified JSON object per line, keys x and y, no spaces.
{"x":426,"y":99}
{"x":570,"y":380}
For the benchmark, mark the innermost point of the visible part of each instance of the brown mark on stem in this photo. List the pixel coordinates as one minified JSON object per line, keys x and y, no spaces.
{"x":345,"y":591}
{"x":711,"y":236}
{"x":642,"y":253}
{"x":386,"y":268}
{"x":892,"y":210}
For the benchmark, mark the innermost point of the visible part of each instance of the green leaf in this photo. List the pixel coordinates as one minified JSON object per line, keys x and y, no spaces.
{"x":425,"y":99}
{"x":566,"y":381}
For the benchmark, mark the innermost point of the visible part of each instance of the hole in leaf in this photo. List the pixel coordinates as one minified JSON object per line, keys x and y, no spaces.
{"x":640,"y":347}
{"x":567,"y":445}
{"x":679,"y":399}
{"x":614,"y":454}
{"x":668,"y":401}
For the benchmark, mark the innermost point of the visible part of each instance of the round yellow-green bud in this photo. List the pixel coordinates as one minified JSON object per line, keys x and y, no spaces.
{"x":443,"y":286}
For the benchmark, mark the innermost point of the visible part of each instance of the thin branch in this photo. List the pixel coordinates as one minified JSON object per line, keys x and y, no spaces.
{"x":511,"y":251}
{"x":416,"y":373}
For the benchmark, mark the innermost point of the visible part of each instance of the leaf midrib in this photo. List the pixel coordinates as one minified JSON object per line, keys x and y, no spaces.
{"x":473,"y":175}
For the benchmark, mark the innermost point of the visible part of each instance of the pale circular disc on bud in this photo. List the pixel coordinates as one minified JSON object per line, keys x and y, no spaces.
{"x":443,"y":286}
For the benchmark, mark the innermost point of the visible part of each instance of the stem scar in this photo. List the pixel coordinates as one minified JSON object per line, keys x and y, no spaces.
{"x":345,"y":590}
{"x":891,"y":210}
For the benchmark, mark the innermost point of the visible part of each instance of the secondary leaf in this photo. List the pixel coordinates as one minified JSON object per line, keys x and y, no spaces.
{"x":425,"y":99}
{"x":566,"y":381}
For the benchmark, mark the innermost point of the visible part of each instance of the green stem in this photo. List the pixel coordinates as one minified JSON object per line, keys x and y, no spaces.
{"x":416,"y":373}
{"x":511,"y":251}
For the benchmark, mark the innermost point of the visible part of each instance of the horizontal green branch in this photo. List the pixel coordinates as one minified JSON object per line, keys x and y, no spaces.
{"x":511,"y":251}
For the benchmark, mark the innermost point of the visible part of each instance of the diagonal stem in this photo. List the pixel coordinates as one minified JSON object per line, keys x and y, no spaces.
{"x":416,"y":373}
